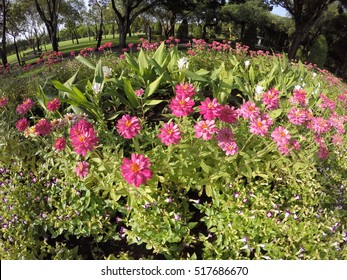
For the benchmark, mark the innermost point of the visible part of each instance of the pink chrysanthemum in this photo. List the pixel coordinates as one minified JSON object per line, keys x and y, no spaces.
{"x":24,"y":107}
{"x":210,"y":109}
{"x":82,"y":169}
{"x":249,"y":111}
{"x":3,"y":101}
{"x":224,"y":135}
{"x":22,"y":124}
{"x":181,"y":106}
{"x":83,"y":137}
{"x":170,"y":134}
{"x":205,"y":129}
{"x":43,"y":127}
{"x":60,"y":144}
{"x":128,"y":126}
{"x":136,"y":170}
{"x":320,"y":125}
{"x":260,"y":126}
{"x":185,"y":90}
{"x":53,"y":105}
{"x":271,"y":99}
{"x":337,"y":122}
{"x":281,"y":135}
{"x":228,"y":114}
{"x":299,"y":98}
{"x":297,"y":116}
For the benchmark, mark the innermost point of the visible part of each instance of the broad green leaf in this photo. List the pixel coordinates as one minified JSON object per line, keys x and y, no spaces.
{"x":143,"y":62}
{"x":152,"y":88}
{"x":129,"y":92}
{"x":153,"y":102}
{"x":99,"y":74}
{"x":159,"y":55}
{"x":193,"y":76}
{"x":132,"y":62}
{"x":85,"y":62}
{"x":275,"y":114}
{"x":59,"y":86}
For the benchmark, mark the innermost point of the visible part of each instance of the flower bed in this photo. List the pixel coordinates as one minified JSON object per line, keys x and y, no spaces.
{"x":215,"y":153}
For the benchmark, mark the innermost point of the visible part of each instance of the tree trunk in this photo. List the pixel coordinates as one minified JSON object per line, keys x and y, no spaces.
{"x":99,"y":36}
{"x":297,"y":39}
{"x":54,"y":41}
{"x":113,"y":30}
{"x":16,"y":48}
{"x":122,"y":35}
{"x":3,"y":39}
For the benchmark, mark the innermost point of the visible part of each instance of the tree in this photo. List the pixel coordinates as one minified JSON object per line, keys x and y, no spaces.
{"x":99,"y":7}
{"x":48,"y":11}
{"x":71,"y":12}
{"x":4,"y":7}
{"x":319,"y":51}
{"x":305,"y":14}
{"x":126,"y":12}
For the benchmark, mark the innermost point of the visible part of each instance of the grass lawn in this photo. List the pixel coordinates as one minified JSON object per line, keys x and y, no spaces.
{"x":67,"y":46}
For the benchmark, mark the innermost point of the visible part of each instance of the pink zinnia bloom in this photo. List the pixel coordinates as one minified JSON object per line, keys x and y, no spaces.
{"x":284,"y":149}
{"x":337,"y":122}
{"x":136,"y":170}
{"x":170,"y":134}
{"x":128,"y":126}
{"x":25,"y":106}
{"x":228,"y":114}
{"x":210,"y":109}
{"x":224,"y":135}
{"x":296,"y":145}
{"x":139,"y":92}
{"x":323,"y":152}
{"x":337,"y":140}
{"x":43,"y":127}
{"x":83,"y":137}
{"x":249,"y":111}
{"x":22,"y":124}
{"x":60,"y":143}
{"x":270,"y":99}
{"x":82,"y":169}
{"x":260,"y":126}
{"x":327,"y":103}
{"x":281,"y":135}
{"x":230,"y":147}
{"x":53,"y":105}
{"x":3,"y":101}
{"x":205,"y":129}
{"x":181,"y":106}
{"x":184,"y":90}
{"x":299,"y":98}
{"x":297,"y":116}
{"x":320,"y":125}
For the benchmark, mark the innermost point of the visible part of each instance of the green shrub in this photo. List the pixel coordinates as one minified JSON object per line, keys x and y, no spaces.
{"x":319,"y":51}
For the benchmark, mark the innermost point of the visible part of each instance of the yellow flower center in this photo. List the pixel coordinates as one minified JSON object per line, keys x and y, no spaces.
{"x":135,"y":168}
{"x":127,"y":123}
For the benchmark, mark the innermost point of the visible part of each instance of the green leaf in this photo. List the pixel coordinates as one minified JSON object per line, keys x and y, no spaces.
{"x":99,"y":74}
{"x":143,"y":62}
{"x":85,"y":62}
{"x":159,"y":55}
{"x":193,"y":76}
{"x":132,"y":62}
{"x":275,"y":114}
{"x":152,"y":88}
{"x":129,"y":92}
{"x":59,"y":86}
{"x":153,"y":102}
{"x":205,"y":167}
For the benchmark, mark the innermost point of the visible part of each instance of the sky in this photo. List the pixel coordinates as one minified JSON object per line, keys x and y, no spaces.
{"x":280,"y":11}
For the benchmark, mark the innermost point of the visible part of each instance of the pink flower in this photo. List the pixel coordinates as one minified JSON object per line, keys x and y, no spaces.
{"x":210,"y":109}
{"x":230,"y":147}
{"x":170,"y":134}
{"x":299,"y":98}
{"x":228,"y":114}
{"x":82,"y":169}
{"x":139,"y":92}
{"x":249,"y":111}
{"x":60,"y":143}
{"x":297,"y":116}
{"x":323,"y":152}
{"x":25,"y":106}
{"x":260,"y":126}
{"x":3,"y":101}
{"x":136,"y":170}
{"x":337,"y":140}
{"x":43,"y":127}
{"x":284,"y":149}
{"x":327,"y":103}
{"x":296,"y":145}
{"x":281,"y":135}
{"x":184,"y":90}
{"x":337,"y":122}
{"x":181,"y":106}
{"x":320,"y":125}
{"x":83,"y":137}
{"x":128,"y":126}
{"x":270,"y":99}
{"x":53,"y":105}
{"x":22,"y":124}
{"x":224,"y":135}
{"x":205,"y":129}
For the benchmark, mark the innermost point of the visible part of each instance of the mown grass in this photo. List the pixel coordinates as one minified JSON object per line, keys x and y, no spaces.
{"x":67,"y":46}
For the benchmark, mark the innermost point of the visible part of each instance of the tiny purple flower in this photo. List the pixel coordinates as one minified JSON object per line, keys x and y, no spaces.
{"x":177,"y":217}
{"x":269,"y":214}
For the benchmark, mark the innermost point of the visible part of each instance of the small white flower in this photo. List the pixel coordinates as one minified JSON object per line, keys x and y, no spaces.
{"x":96,"y":87}
{"x":258,"y":91}
{"x":314,"y":75}
{"x":107,"y":71}
{"x":297,"y":87}
{"x":182,"y":63}
{"x":247,"y":63}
